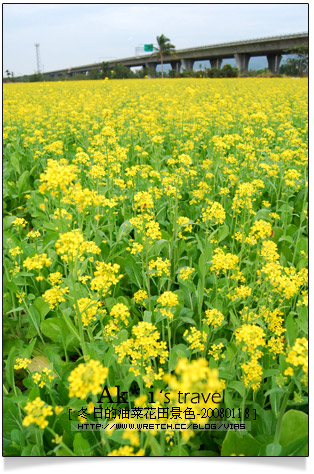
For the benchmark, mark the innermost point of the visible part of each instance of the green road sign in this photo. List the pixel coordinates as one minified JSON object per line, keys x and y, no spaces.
{"x":148,"y":47}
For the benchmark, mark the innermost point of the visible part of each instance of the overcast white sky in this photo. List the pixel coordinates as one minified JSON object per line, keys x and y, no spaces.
{"x":76,"y":34}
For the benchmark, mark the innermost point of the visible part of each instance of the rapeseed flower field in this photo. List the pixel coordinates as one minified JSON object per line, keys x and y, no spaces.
{"x":155,"y":268}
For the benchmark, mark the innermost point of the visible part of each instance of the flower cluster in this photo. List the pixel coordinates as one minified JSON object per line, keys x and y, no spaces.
{"x":298,"y":354}
{"x":87,"y":378}
{"x":37,"y":262}
{"x":37,"y":412}
{"x":21,"y":363}
{"x":42,"y":378}
{"x":88,"y":309}
{"x":159,"y":266}
{"x":214,"y":213}
{"x":168,"y":300}
{"x":142,"y":349}
{"x":195,"y":338}
{"x":105,"y":276}
{"x":213,"y":318}
{"x":55,"y":295}
{"x":194,"y":378}
{"x":119,"y":318}
{"x":72,"y":245}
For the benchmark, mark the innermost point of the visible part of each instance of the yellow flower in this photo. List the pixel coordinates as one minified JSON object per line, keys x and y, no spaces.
{"x":42,"y":378}
{"x":19,"y":222}
{"x":214,"y":318}
{"x":16,"y":251}
{"x":159,"y":266}
{"x":191,"y":378}
{"x":55,"y":295}
{"x":195,"y":338}
{"x":253,"y":372}
{"x":37,"y":262}
{"x":169,"y":299}
{"x":57,"y":439}
{"x":143,"y":201}
{"x":214,"y":213}
{"x":215,"y":351}
{"x":140,"y":296}
{"x":132,"y":436}
{"x":55,"y":278}
{"x":259,"y":230}
{"x":21,"y":363}
{"x":37,"y":411}
{"x":105,"y":276}
{"x":72,"y":245}
{"x":120,"y":312}
{"x":142,"y":349}
{"x":58,"y":175}
{"x":251,"y":335}
{"x":298,"y":354}
{"x":185,"y":273}
{"x":222,"y":261}
{"x":33,"y":234}
{"x":88,"y":309}
{"x":87,"y":378}
{"x":126,"y":451}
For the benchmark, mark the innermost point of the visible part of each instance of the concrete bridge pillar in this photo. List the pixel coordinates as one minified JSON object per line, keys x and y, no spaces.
{"x":274,"y":62}
{"x":242,"y":61}
{"x":176,"y":65}
{"x":215,"y":62}
{"x":187,"y":64}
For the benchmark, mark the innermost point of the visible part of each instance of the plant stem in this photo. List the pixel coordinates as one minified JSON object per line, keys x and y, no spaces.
{"x":282,"y":412}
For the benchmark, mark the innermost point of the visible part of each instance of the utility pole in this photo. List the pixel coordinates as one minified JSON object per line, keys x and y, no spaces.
{"x":37,"y":57}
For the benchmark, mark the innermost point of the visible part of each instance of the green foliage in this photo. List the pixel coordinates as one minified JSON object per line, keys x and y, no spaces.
{"x":298,"y":63}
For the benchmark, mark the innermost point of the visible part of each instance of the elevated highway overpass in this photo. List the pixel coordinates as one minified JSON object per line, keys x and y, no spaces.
{"x":272,"y":47}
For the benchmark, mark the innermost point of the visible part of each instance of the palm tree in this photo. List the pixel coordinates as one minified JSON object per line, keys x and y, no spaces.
{"x":164,"y":48}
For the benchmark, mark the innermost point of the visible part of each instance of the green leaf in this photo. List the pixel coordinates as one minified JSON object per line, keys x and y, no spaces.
{"x":23,"y":182}
{"x":81,"y":446}
{"x":147,"y":316}
{"x":186,"y":320}
{"x":33,"y":317}
{"x":124,"y":230}
{"x":177,"y":352}
{"x":286,"y":238}
{"x":7,"y":222}
{"x":155,"y":447}
{"x":133,"y":272}
{"x":17,"y":436}
{"x":223,"y":233}
{"x":274,"y":390}
{"x":228,"y":399}
{"x":237,"y":443}
{"x":202,"y":265}
{"x":179,"y":451}
{"x":11,"y":417}
{"x":10,"y":367}
{"x":294,"y":427}
{"x":42,"y":307}
{"x":291,"y":329}
{"x":238,"y":386}
{"x":55,"y":329}
{"x":273,"y":449}
{"x":62,"y":452}
{"x":300,"y":447}
{"x":15,"y":162}
{"x":27,"y":352}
